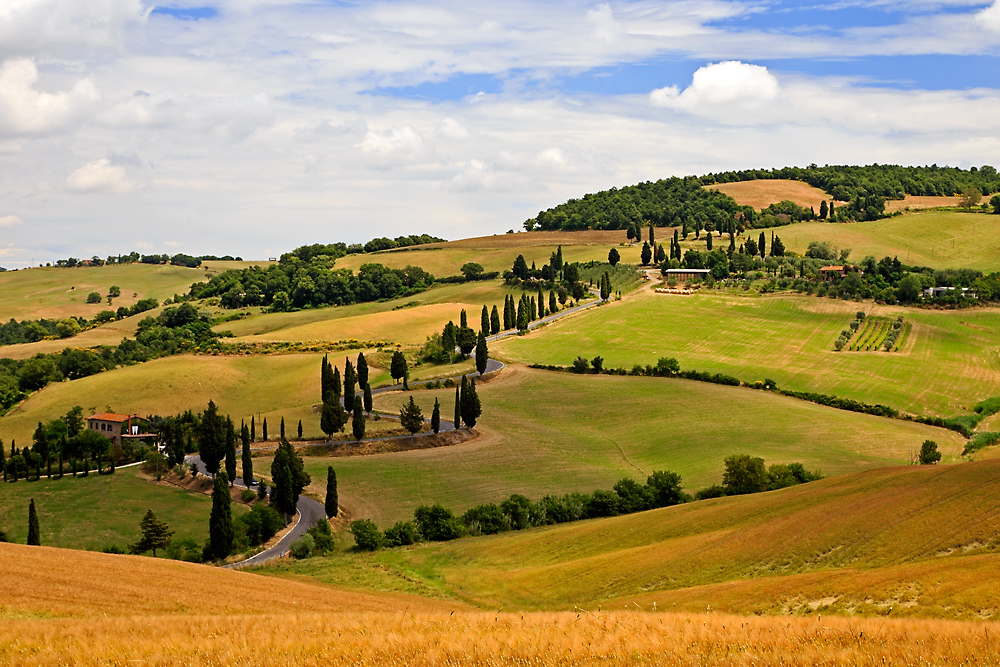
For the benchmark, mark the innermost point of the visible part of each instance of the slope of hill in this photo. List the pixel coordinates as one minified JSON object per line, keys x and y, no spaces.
{"x":934,"y":529}
{"x":761,"y":194}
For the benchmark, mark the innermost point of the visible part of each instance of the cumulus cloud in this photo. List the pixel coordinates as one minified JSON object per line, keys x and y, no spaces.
{"x":989,"y":18}
{"x":727,"y":85}
{"x":26,"y":110}
{"x":9,"y":220}
{"x":452,"y":129}
{"x":34,"y":27}
{"x":229,"y":117}
{"x":397,"y":145}
{"x":101,"y":176}
{"x":482,"y":175}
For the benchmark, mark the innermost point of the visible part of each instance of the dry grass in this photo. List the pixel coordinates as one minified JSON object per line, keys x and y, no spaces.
{"x":579,"y":638}
{"x":528,"y":239}
{"x":913,"y":203}
{"x":761,"y":194}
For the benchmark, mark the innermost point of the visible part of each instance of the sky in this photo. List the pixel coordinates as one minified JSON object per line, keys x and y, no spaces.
{"x":250,"y":127}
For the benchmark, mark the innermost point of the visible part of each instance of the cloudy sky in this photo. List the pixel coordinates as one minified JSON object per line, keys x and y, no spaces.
{"x":253,"y":126}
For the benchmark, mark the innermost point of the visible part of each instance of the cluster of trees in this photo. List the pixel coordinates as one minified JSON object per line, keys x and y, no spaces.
{"x":435,"y":523}
{"x":307,"y":253}
{"x":30,"y":331}
{"x":335,"y":414}
{"x":180,"y":259}
{"x":747,"y":474}
{"x":296,"y":283}
{"x":562,"y":279}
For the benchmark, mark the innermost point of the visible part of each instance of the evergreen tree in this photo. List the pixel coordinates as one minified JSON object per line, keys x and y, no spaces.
{"x":482,"y":354}
{"x":326,"y":378}
{"x":533,"y":310}
{"x":3,"y":461}
{"x":646,"y":254}
{"x":471,"y":408}
{"x":220,"y":524}
{"x":263,"y":430}
{"x":34,"y":536}
{"x":777,"y":247}
{"x":362,"y":370}
{"x":289,"y":478}
{"x":553,"y":305}
{"x":300,"y":429}
{"x":411,"y":418}
{"x":230,"y":450}
{"x":331,"y":505}
{"x":823,"y":210}
{"x":458,"y":408}
{"x":358,"y":420}
{"x":350,"y":383}
{"x":558,"y":266}
{"x":463,"y":320}
{"x":336,"y":384}
{"x":494,"y":321}
{"x":448,"y":339}
{"x":614,"y":257}
{"x":732,"y":245}
{"x":708,"y":241}
{"x":484,"y":321}
{"x":247,"y":458}
{"x":398,"y":367}
{"x":652,"y":236}
{"x":661,"y":256}
{"x":156,"y":534}
{"x":368,"y":398}
{"x":761,"y":241}
{"x":436,"y":417}
{"x":253,"y":429}
{"x":332,"y":417}
{"x":508,"y":317}
{"x":282,"y":427}
{"x":212,"y":439}
{"x":605,"y":287}
{"x":177,"y":448}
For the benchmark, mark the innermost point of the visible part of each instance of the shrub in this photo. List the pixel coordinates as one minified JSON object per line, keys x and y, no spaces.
{"x":553,"y":509}
{"x":248,"y":496}
{"x":303,"y":547}
{"x":486,"y":519}
{"x":632,"y":496}
{"x":402,"y":534}
{"x":367,"y":536}
{"x":436,"y":523}
{"x":601,"y":503}
{"x":929,"y":454}
{"x":714,"y":491}
{"x":322,"y":538}
{"x":581,"y":365}
{"x":94,"y":297}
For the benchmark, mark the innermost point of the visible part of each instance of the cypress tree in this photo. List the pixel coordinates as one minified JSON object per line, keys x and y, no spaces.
{"x":358,"y":421}
{"x":282,"y":495}
{"x":761,"y":242}
{"x":494,"y":321}
{"x":282,"y":427}
{"x":253,"y":430}
{"x":463,"y":320}
{"x":458,"y":407}
{"x":368,"y":398}
{"x":484,"y":321}
{"x":411,"y":418}
{"x":331,"y":505}
{"x":448,"y":339}
{"x":646,"y":254}
{"x":220,"y":524}
{"x":247,"y":457}
{"x":652,"y":236}
{"x":553,"y":304}
{"x":350,"y":380}
{"x":263,"y":430}
{"x":34,"y":536}
{"x":332,"y":417}
{"x":362,"y":370}
{"x":559,"y":259}
{"x":522,"y":322}
{"x":230,"y":451}
{"x":177,"y":446}
{"x":300,"y":429}
{"x":541,"y":303}
{"x":708,"y":241}
{"x":482,"y":354}
{"x":436,"y":417}
{"x":533,"y":309}
{"x":508,"y":318}
{"x":326,"y":378}
{"x":471,"y":408}
{"x":336,"y":384}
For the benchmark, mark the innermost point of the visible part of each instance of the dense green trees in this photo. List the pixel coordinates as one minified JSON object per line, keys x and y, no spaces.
{"x":332,"y":417}
{"x":220,"y":523}
{"x":288,"y":477}
{"x":398,"y":367}
{"x":929,"y":453}
{"x":614,"y":257}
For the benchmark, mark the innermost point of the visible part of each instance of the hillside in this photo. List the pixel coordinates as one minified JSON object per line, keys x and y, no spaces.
{"x":761,"y":194}
{"x":923,"y":537}
{"x":552,"y":433}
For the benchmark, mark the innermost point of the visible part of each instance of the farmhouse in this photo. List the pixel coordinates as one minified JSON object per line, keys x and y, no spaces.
{"x":932,"y":292}
{"x":832,"y":272}
{"x":686,"y":274}
{"x":115,"y":427}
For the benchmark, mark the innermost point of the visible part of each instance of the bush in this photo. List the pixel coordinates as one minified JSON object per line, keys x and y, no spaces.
{"x":486,"y":519}
{"x":744,"y":474}
{"x":322,"y":538}
{"x":436,"y":524}
{"x":601,"y":503}
{"x":581,"y":365}
{"x":929,"y":454}
{"x":94,"y":297}
{"x":562,"y":510}
{"x":402,"y":534}
{"x":367,"y":536}
{"x":303,"y":547}
{"x":247,"y":496}
{"x":714,"y":491}
{"x":665,"y":488}
{"x":632,"y":496}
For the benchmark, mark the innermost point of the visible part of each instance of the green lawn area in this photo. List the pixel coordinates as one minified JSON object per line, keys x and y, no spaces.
{"x":948,"y":362}
{"x":98,"y":511}
{"x":557,"y":433}
{"x":939,"y":239}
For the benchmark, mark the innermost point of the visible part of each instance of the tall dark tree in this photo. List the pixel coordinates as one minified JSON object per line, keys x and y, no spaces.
{"x":466,"y":341}
{"x":368,"y":398}
{"x":558,"y":265}
{"x":541,"y":302}
{"x":482,"y":354}
{"x":350,"y":383}
{"x":449,"y":339}
{"x":553,"y":305}
{"x":520,"y":268}
{"x":156,"y":534}
{"x":337,"y":385}
{"x":458,"y":407}
{"x":463,"y":320}
{"x":823,"y":210}
{"x":362,"y":370}
{"x":410,"y":417}
{"x":397,"y":367}
{"x":484,"y":321}
{"x":212,"y":438}
{"x":326,"y":378}
{"x":300,"y":429}
{"x":220,"y":524}
{"x":436,"y":417}
{"x":761,"y":245}
{"x":34,"y":536}
{"x":614,"y":257}
{"x":646,"y":255}
{"x":253,"y":429}
{"x":494,"y":321}
{"x":177,"y":449}
{"x":533,"y":309}
{"x":331,"y":505}
{"x":40,"y":441}
{"x":230,"y":450}
{"x":358,"y":420}
{"x":471,"y":407}
{"x":282,"y":428}
{"x":263,"y":430}
{"x":332,"y":418}
{"x":293,"y":473}
{"x":247,"y":458}
{"x":708,"y":241}
{"x":521,"y":320}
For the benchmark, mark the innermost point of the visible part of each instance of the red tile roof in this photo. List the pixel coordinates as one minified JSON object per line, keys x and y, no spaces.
{"x":111,"y":417}
{"x":832,"y":268}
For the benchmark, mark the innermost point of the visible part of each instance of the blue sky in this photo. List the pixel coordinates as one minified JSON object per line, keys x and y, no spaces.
{"x":252,"y":126}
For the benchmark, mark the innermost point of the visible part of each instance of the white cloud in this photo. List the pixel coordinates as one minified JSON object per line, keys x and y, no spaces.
{"x":10,"y":220}
{"x":726,"y":85}
{"x":100,"y":176}
{"x":606,"y":28}
{"x":25,"y":110}
{"x":395,"y":146}
{"x":990,"y":17}
{"x":33,"y":27}
{"x":229,"y":117}
{"x":452,"y":129}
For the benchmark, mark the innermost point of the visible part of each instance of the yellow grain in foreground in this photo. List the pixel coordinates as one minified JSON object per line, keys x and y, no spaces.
{"x":495,"y":639}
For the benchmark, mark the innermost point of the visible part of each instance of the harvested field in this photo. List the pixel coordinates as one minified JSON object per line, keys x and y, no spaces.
{"x":915,"y":203}
{"x":762,"y":193}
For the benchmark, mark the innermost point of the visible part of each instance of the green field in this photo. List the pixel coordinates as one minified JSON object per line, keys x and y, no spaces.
{"x":55,"y":292}
{"x":557,"y":433}
{"x":949,"y":361}
{"x":920,"y":538}
{"x":939,"y":239}
{"x":97,"y":511}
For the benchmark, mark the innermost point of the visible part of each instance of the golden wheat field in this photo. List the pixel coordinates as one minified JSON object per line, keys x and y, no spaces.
{"x":402,"y":637}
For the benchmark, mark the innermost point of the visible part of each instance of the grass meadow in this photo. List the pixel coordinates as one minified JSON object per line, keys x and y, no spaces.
{"x":920,"y":540}
{"x":948,"y":362}
{"x":938,"y":239}
{"x":558,"y":433}
{"x":98,"y":511}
